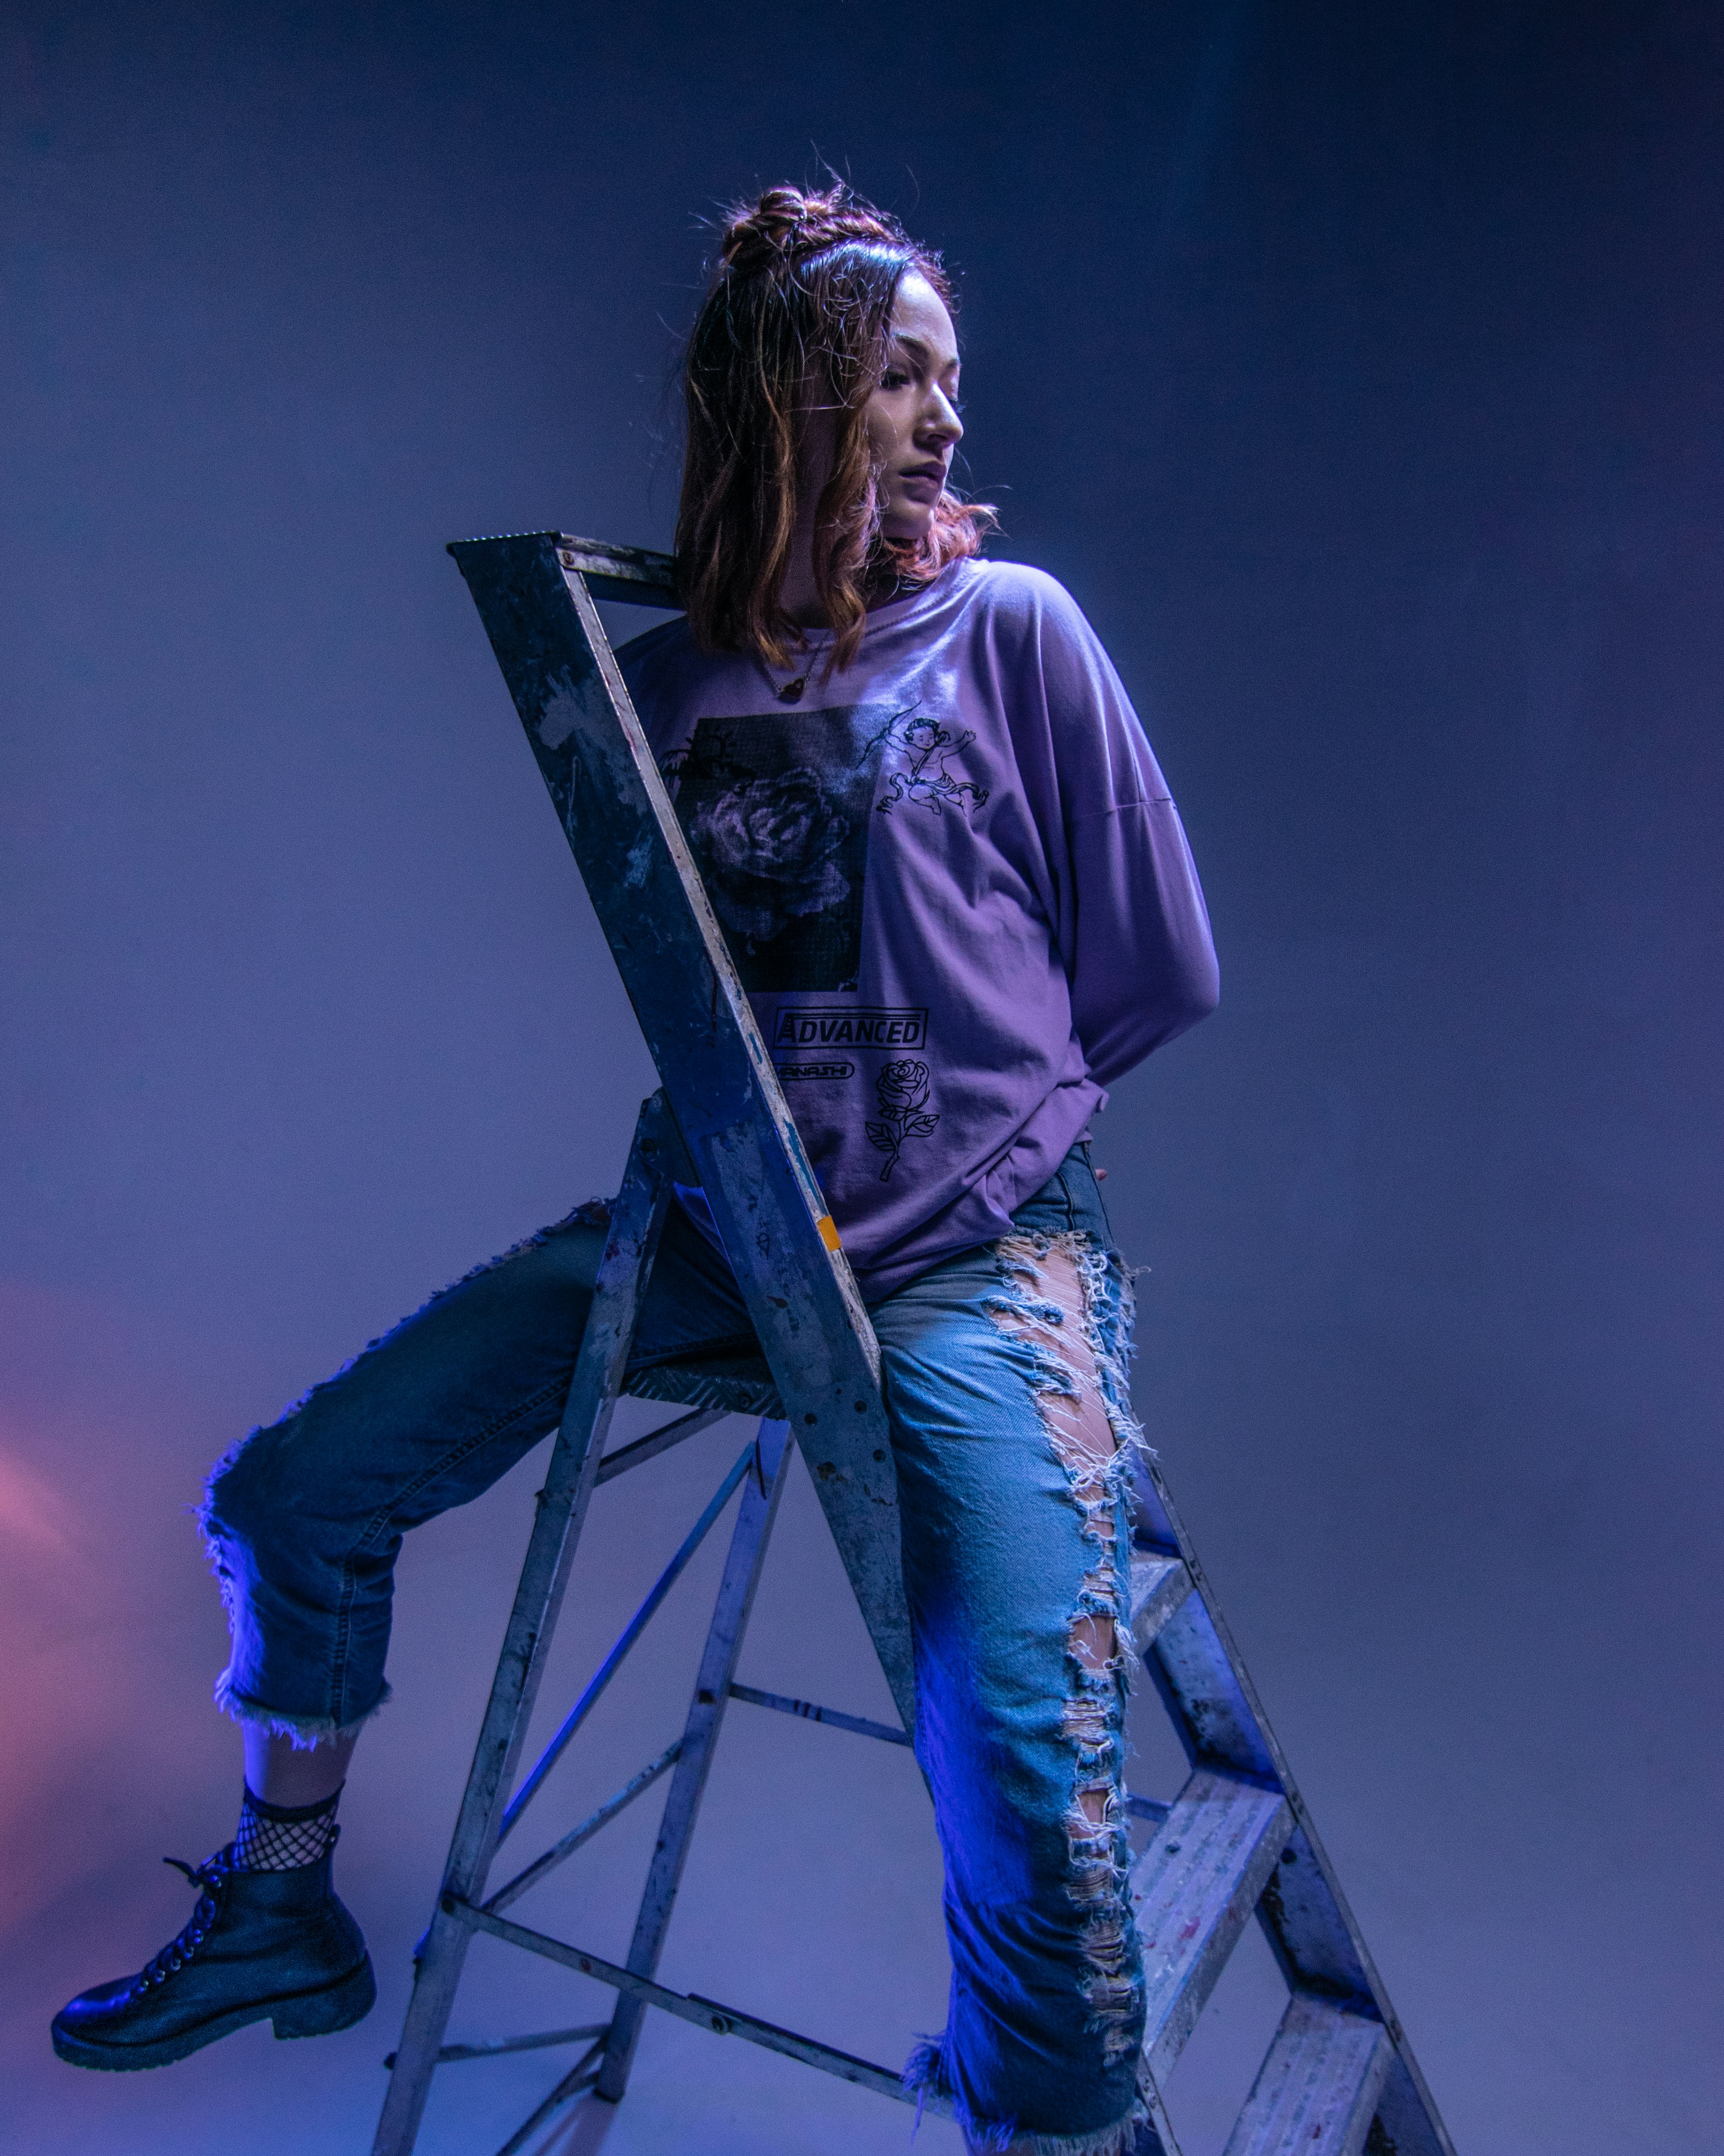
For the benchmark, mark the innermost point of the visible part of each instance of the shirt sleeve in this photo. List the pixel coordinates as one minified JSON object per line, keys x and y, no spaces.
{"x":1130,"y":921}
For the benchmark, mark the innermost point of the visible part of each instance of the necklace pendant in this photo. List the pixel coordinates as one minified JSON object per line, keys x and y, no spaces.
{"x":790,"y":693}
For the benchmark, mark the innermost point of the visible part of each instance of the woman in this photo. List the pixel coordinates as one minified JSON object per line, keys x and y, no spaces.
{"x":961,"y":901}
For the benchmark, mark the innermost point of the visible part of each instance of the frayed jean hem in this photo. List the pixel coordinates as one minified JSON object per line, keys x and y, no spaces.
{"x":304,"y":1731}
{"x":925,"y":2074}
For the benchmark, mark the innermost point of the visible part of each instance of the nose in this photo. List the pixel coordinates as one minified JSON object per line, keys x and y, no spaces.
{"x":939,"y":421}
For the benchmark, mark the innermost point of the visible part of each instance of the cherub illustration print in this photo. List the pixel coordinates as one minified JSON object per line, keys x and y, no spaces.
{"x":776,"y":808}
{"x":915,"y":750}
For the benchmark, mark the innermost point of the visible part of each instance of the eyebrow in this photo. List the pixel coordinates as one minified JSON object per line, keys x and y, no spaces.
{"x":918,"y":349}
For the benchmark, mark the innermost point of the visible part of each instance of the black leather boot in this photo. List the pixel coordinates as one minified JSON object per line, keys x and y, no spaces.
{"x":273,"y":1945}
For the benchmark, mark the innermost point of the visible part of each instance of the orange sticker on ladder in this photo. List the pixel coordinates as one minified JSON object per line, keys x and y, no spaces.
{"x":828,"y":1232}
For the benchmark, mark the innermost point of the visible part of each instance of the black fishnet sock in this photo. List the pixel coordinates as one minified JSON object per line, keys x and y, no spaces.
{"x":282,"y":1837}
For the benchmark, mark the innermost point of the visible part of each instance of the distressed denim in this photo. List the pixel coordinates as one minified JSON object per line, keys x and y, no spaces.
{"x":991,"y":1361}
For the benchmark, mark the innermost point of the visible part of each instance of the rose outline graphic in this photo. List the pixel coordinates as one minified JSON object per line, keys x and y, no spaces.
{"x":902,"y":1089}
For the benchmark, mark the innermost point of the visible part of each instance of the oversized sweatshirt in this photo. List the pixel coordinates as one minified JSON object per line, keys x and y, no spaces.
{"x":955,"y":886}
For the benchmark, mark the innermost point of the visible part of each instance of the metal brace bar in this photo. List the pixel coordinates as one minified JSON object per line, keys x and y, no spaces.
{"x":585,"y":1832}
{"x":494,"y":2047}
{"x":657,"y":1441}
{"x":637,"y":1217}
{"x":805,"y":1711}
{"x":630,"y":1633}
{"x":1146,"y":1808}
{"x":703,"y":2013}
{"x":580,"y":2078}
{"x":631,"y":573}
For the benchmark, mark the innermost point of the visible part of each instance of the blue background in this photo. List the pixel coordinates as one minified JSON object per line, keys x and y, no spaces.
{"x":1357,"y":367}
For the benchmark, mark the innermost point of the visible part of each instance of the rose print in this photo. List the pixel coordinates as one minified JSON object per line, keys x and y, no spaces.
{"x":766,"y":852}
{"x":902,"y":1089}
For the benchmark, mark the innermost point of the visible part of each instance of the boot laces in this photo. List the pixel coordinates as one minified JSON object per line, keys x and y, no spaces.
{"x":207,"y":1876}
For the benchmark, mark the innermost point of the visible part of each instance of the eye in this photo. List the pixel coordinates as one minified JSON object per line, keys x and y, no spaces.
{"x":894,"y":377}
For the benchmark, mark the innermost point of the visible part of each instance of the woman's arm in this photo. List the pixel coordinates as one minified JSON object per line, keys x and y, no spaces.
{"x":1130,"y":921}
{"x":1139,"y":955}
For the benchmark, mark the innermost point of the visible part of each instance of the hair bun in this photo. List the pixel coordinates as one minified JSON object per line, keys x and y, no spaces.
{"x":787,"y":223}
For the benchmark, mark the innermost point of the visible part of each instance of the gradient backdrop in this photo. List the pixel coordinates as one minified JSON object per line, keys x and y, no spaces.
{"x":1359,"y":368}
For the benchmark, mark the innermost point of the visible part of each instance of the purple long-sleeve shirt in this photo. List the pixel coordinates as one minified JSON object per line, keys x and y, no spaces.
{"x":956,"y":887}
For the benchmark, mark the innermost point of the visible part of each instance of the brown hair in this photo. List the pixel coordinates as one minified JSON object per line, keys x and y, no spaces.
{"x":797,"y":315}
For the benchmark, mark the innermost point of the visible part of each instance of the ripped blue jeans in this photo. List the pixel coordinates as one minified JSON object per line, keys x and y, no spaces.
{"x":1004,"y":1380}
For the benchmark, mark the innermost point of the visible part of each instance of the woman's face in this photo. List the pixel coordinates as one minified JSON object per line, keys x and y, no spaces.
{"x":913,"y":426}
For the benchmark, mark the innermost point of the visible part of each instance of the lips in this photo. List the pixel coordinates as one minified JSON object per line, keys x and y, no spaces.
{"x":923,"y":482}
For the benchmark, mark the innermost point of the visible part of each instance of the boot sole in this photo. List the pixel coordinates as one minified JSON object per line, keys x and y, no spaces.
{"x":320,"y":2012}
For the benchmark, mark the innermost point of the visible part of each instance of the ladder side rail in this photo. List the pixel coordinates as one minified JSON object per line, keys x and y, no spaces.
{"x":699,"y":1737}
{"x":636,"y":1219}
{"x":1156,"y":2136}
{"x":622,"y":828}
{"x":1203,"y":1681}
{"x":1405,"y":2111}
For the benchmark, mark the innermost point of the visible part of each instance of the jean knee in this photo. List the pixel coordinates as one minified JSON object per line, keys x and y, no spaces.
{"x":245,"y":1528}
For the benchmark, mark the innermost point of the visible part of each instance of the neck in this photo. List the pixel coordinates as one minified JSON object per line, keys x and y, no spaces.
{"x":799,"y":600}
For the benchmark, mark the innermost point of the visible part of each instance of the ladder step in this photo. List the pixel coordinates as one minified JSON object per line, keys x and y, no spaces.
{"x":1195,"y":1886}
{"x":1159,"y":1585}
{"x":1316,"y":2091}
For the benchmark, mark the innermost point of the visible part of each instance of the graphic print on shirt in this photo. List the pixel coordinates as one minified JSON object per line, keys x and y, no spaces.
{"x":903,"y":1089}
{"x":777,"y":808}
{"x":923,"y":746}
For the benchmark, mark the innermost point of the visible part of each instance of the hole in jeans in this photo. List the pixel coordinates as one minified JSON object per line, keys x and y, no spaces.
{"x":1055,"y":1301}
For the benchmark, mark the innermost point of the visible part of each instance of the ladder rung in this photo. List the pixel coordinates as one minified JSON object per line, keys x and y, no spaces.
{"x":1159,"y":1585}
{"x":1196,"y":1884}
{"x":806,"y":1712}
{"x":657,"y":1441}
{"x":1317,"y":2091}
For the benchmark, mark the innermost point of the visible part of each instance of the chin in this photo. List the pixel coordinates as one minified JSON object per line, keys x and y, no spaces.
{"x":907,"y":526}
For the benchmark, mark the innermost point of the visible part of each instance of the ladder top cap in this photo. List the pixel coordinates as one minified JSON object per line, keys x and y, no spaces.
{"x":600,"y":553}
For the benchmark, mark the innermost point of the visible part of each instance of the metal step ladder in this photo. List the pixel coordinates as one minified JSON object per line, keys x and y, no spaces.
{"x":1236,"y":1841}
